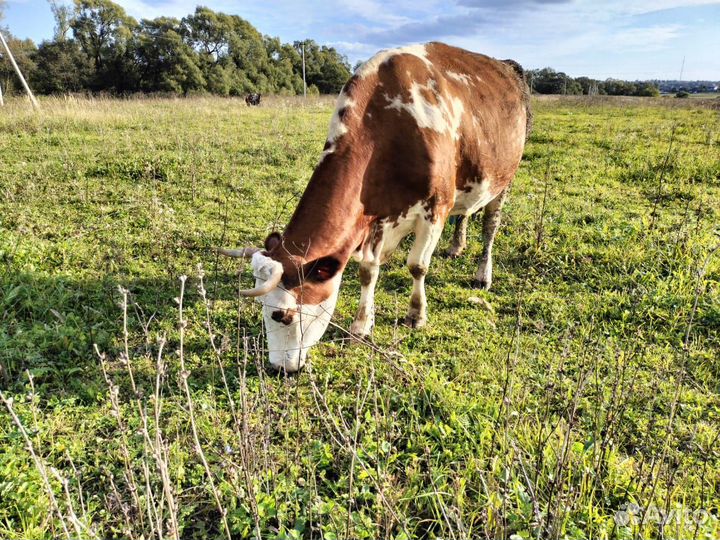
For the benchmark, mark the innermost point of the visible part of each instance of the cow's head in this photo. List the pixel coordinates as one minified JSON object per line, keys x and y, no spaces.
{"x":298,"y":299}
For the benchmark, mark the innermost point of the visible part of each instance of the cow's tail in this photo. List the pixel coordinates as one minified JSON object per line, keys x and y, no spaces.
{"x":522,"y":80}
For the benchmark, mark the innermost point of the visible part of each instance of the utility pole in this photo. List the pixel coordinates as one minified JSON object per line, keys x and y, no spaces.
{"x":682,"y":68}
{"x":19,"y":73}
{"x":304,"y":83}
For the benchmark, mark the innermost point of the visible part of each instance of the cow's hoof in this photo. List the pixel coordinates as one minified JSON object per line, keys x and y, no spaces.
{"x":360,"y":331}
{"x":415,"y":321}
{"x":453,"y":252}
{"x":481,"y":284}
{"x":359,"y":337}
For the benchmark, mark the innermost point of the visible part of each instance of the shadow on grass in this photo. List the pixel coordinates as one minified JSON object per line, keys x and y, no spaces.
{"x":50,"y":324}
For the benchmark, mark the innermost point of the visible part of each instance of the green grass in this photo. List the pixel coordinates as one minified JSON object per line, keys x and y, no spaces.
{"x":585,"y":381}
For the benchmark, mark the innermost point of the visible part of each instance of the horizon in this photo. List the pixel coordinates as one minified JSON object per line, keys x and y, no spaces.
{"x":664,"y":40}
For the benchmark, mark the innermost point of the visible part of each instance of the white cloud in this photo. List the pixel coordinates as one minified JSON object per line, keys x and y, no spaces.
{"x":373,"y":11}
{"x":649,"y":39}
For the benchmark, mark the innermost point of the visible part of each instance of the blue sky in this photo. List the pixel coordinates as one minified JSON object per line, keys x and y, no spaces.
{"x":626,"y":39}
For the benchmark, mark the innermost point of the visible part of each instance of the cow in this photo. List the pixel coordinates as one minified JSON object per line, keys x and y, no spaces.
{"x":252,"y":99}
{"x":419,"y":133}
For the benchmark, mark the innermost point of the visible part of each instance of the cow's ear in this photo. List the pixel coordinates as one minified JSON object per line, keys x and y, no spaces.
{"x":321,"y":269}
{"x":272,"y":241}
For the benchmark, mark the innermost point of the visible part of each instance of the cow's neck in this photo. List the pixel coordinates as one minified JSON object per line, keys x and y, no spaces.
{"x":329,"y":219}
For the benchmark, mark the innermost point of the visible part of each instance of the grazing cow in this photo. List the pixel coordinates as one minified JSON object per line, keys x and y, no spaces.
{"x":252,"y":99}
{"x":419,"y":133}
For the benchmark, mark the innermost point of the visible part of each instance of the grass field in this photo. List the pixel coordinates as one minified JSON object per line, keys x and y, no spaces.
{"x":580,"y":398}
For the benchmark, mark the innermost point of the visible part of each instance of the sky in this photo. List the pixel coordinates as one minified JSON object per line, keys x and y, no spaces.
{"x":624,"y":39}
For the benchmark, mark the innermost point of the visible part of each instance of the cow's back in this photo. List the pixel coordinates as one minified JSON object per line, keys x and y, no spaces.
{"x":426,"y":122}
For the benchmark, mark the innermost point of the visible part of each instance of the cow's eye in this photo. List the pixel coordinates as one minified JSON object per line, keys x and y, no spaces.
{"x":277,"y":316}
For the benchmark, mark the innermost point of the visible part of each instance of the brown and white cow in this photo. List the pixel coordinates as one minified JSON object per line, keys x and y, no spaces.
{"x":419,"y":134}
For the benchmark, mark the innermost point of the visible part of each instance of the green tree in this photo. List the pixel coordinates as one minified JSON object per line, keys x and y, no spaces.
{"x":547,"y":81}
{"x":324,"y":66}
{"x":589,"y":86}
{"x":61,"y":67}
{"x":280,"y":67}
{"x":63,"y":17}
{"x":105,"y":34}
{"x":98,"y":47}
{"x":647,"y":89}
{"x":236,"y":59}
{"x":210,"y":35}
{"x":165,"y":61}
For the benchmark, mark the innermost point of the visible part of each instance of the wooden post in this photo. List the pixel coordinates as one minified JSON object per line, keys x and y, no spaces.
{"x":19,"y":73}
{"x":304,"y":83}
{"x":2,"y":102}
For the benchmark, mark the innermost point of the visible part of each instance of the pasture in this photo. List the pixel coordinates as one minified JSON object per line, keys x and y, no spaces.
{"x":579,"y":398}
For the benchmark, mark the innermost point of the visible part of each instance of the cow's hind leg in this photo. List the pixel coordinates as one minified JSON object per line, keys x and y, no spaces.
{"x":491,"y":222}
{"x":459,"y":237}
{"x":365,"y":317}
{"x":427,"y":234}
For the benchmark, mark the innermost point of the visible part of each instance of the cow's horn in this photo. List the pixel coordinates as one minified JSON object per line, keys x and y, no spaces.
{"x":244,"y":252}
{"x":269,"y":284}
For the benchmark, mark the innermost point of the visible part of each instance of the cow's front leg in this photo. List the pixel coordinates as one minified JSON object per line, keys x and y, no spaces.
{"x":459,"y":241}
{"x":365,"y":317}
{"x":491,"y":222}
{"x":427,"y":234}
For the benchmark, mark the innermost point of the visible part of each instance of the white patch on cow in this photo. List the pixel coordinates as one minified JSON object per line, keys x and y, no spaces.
{"x":459,"y":77}
{"x":371,"y":66}
{"x":337,"y":127}
{"x":469,"y":202}
{"x":446,"y":116}
{"x":288,"y":345}
{"x":391,"y":232}
{"x":330,"y":150}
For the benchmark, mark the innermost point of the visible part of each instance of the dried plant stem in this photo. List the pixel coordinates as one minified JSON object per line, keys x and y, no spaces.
{"x":38,"y":463}
{"x":241,"y":425}
{"x":160,"y":448}
{"x":700,"y":275}
{"x":123,"y":509}
{"x":654,"y":215}
{"x":184,"y":374}
{"x":113,"y":394}
{"x":344,"y":440}
{"x":540,"y":218}
{"x":77,"y":524}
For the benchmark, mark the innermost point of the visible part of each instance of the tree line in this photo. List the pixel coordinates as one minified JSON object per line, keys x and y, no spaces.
{"x":98,"y":47}
{"x":549,"y":81}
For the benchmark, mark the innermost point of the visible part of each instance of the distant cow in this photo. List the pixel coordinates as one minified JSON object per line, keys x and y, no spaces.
{"x":419,"y":134}
{"x":252,"y":99}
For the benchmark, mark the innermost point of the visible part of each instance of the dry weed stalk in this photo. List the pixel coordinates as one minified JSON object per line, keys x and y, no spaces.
{"x":655,"y":215}
{"x":680,"y":381}
{"x":39,"y":464}
{"x":154,"y":445}
{"x":343,"y":438}
{"x":240,"y":424}
{"x":184,"y":375}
